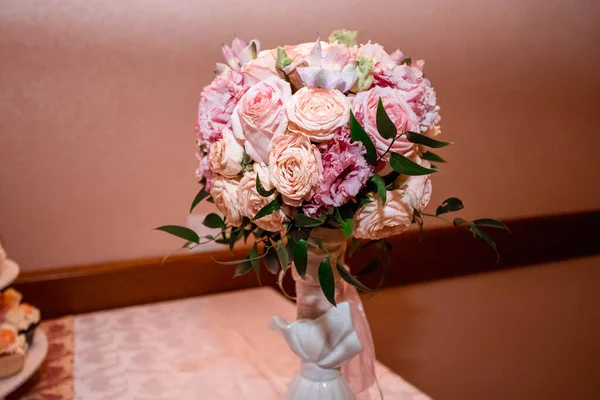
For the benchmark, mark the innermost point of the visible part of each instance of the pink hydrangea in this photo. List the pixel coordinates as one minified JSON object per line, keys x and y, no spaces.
{"x":217,"y":102}
{"x":203,"y":170}
{"x":345,"y":173}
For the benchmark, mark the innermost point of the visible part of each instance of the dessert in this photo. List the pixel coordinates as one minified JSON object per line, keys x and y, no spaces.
{"x":25,"y":318}
{"x":13,"y":348}
{"x":10,"y":298}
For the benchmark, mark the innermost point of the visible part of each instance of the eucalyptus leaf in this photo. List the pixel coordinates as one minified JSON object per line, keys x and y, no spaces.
{"x":449,"y":205}
{"x":351,"y":279}
{"x":415,"y":137}
{"x":354,"y":243}
{"x":491,"y":223}
{"x":404,"y":166}
{"x":268,"y":209}
{"x":271,"y":261}
{"x":283,"y":255}
{"x":303,"y":221}
{"x":358,"y":134}
{"x":385,"y":126}
{"x":242,"y":269}
{"x":181,"y":232}
{"x":300,"y":257}
{"x":431,"y":156}
{"x":214,"y":221}
{"x":481,"y":234}
{"x":326,"y":280}
{"x":261,"y":190}
{"x":380,"y":184}
{"x":202,"y":194}
{"x":255,"y":260}
{"x":370,"y":267}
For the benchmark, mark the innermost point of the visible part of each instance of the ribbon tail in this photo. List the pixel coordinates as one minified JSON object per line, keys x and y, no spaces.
{"x":360,"y":371}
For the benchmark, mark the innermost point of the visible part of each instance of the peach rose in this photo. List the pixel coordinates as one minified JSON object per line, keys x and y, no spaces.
{"x":294,"y":167}
{"x":224,"y":193}
{"x":260,"y":115}
{"x":251,"y":202}
{"x":317,"y":113}
{"x":225,"y":155}
{"x":376,"y":221}
{"x":365,"y":110}
{"x":261,"y":68}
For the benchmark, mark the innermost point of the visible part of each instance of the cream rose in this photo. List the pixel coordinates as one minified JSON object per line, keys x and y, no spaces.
{"x":224,"y":193}
{"x":225,"y":155}
{"x":317,"y":113}
{"x":251,"y":202}
{"x":294,"y":167}
{"x":260,"y":115}
{"x":377,"y":221}
{"x":261,"y":68}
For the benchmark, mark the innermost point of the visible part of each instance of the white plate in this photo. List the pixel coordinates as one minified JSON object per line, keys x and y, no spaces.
{"x":9,"y":273}
{"x":35,"y":357}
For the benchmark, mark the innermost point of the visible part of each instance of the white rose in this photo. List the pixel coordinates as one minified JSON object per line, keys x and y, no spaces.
{"x":224,"y":193}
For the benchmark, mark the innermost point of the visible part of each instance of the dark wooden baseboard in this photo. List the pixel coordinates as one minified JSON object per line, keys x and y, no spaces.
{"x":442,"y":253}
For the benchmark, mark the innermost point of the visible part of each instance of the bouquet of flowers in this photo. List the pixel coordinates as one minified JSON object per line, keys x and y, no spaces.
{"x":325,"y":134}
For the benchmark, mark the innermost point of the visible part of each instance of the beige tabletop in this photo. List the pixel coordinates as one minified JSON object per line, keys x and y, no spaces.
{"x":210,"y":347}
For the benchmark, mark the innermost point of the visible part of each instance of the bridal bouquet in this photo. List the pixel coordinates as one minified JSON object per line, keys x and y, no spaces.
{"x":325,"y":134}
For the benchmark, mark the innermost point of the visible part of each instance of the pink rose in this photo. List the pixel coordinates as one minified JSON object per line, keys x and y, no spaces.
{"x":317,"y":113}
{"x":224,"y":193}
{"x":397,"y":108}
{"x":217,"y":102}
{"x":260,"y":115}
{"x":251,"y":202}
{"x":225,"y":155}
{"x":294,"y":167}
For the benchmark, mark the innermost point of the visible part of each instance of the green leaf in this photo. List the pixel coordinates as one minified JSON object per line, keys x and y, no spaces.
{"x":282,"y":60}
{"x":449,"y":205}
{"x":460,"y":222}
{"x":407,"y":61}
{"x":326,"y":280}
{"x":303,"y":221}
{"x":254,"y":50}
{"x":354,"y":243}
{"x":358,"y":134}
{"x":181,"y":232}
{"x":242,"y":269}
{"x":247,"y":234}
{"x":385,"y":126}
{"x":271,"y":261}
{"x":481,"y":234}
{"x":214,"y":221}
{"x":390,"y":180}
{"x":370,"y":267}
{"x":491,"y":223}
{"x":300,"y":257}
{"x":380,"y":184}
{"x":235,"y":236}
{"x":202,"y":194}
{"x":346,"y":224}
{"x":404,"y":166}
{"x":261,"y":190}
{"x":254,"y":260}
{"x":415,"y":137}
{"x":283,"y":255}
{"x":268,"y":209}
{"x":351,"y":279}
{"x":431,"y":156}
{"x":233,"y":262}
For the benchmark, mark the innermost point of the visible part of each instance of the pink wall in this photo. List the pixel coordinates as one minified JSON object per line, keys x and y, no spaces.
{"x":98,"y":99}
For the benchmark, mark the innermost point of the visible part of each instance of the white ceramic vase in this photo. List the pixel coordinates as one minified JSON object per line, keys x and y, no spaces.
{"x":323,"y":336}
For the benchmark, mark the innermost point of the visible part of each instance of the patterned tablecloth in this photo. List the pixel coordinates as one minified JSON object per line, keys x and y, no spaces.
{"x":211,"y":347}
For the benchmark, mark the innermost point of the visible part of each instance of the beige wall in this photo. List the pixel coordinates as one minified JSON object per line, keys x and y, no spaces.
{"x":527,"y":334}
{"x":98,"y":98}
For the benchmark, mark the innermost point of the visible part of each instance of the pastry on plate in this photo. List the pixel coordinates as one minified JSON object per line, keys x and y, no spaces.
{"x":10,"y":298}
{"x":25,"y":318}
{"x":13,"y":349}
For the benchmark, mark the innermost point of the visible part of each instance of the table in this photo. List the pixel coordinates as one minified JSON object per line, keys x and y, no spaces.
{"x":210,"y":347}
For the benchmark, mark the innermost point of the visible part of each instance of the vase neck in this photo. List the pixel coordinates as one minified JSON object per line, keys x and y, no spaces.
{"x":334,"y":246}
